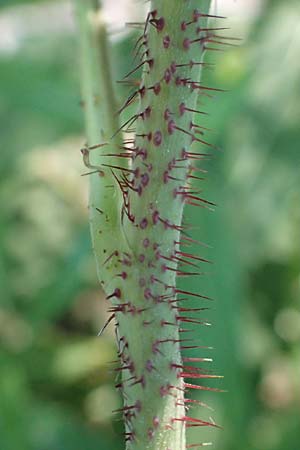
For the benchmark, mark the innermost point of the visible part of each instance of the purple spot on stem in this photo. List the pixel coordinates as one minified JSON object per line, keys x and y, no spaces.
{"x":157,"y":138}
{"x":166,"y":41}
{"x":143,"y":223}
{"x":146,"y":242}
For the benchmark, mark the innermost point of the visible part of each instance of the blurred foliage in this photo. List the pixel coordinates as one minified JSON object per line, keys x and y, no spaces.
{"x":56,"y":385}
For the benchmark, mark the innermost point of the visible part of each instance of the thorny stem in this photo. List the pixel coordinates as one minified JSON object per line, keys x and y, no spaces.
{"x":136,"y":237}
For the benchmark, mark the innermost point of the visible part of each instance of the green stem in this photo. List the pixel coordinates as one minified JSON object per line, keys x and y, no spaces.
{"x":136,"y":228}
{"x":101,"y":122}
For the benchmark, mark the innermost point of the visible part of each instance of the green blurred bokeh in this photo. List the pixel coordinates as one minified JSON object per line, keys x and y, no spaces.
{"x":56,"y":383}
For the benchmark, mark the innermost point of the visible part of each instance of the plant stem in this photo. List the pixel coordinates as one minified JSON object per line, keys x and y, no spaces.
{"x":101,"y":122}
{"x":136,"y":209}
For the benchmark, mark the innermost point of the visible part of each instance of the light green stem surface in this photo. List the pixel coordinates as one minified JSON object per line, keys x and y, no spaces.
{"x":101,"y":122}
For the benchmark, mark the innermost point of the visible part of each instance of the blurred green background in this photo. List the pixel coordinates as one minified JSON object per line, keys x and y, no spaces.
{"x":56,"y":380}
